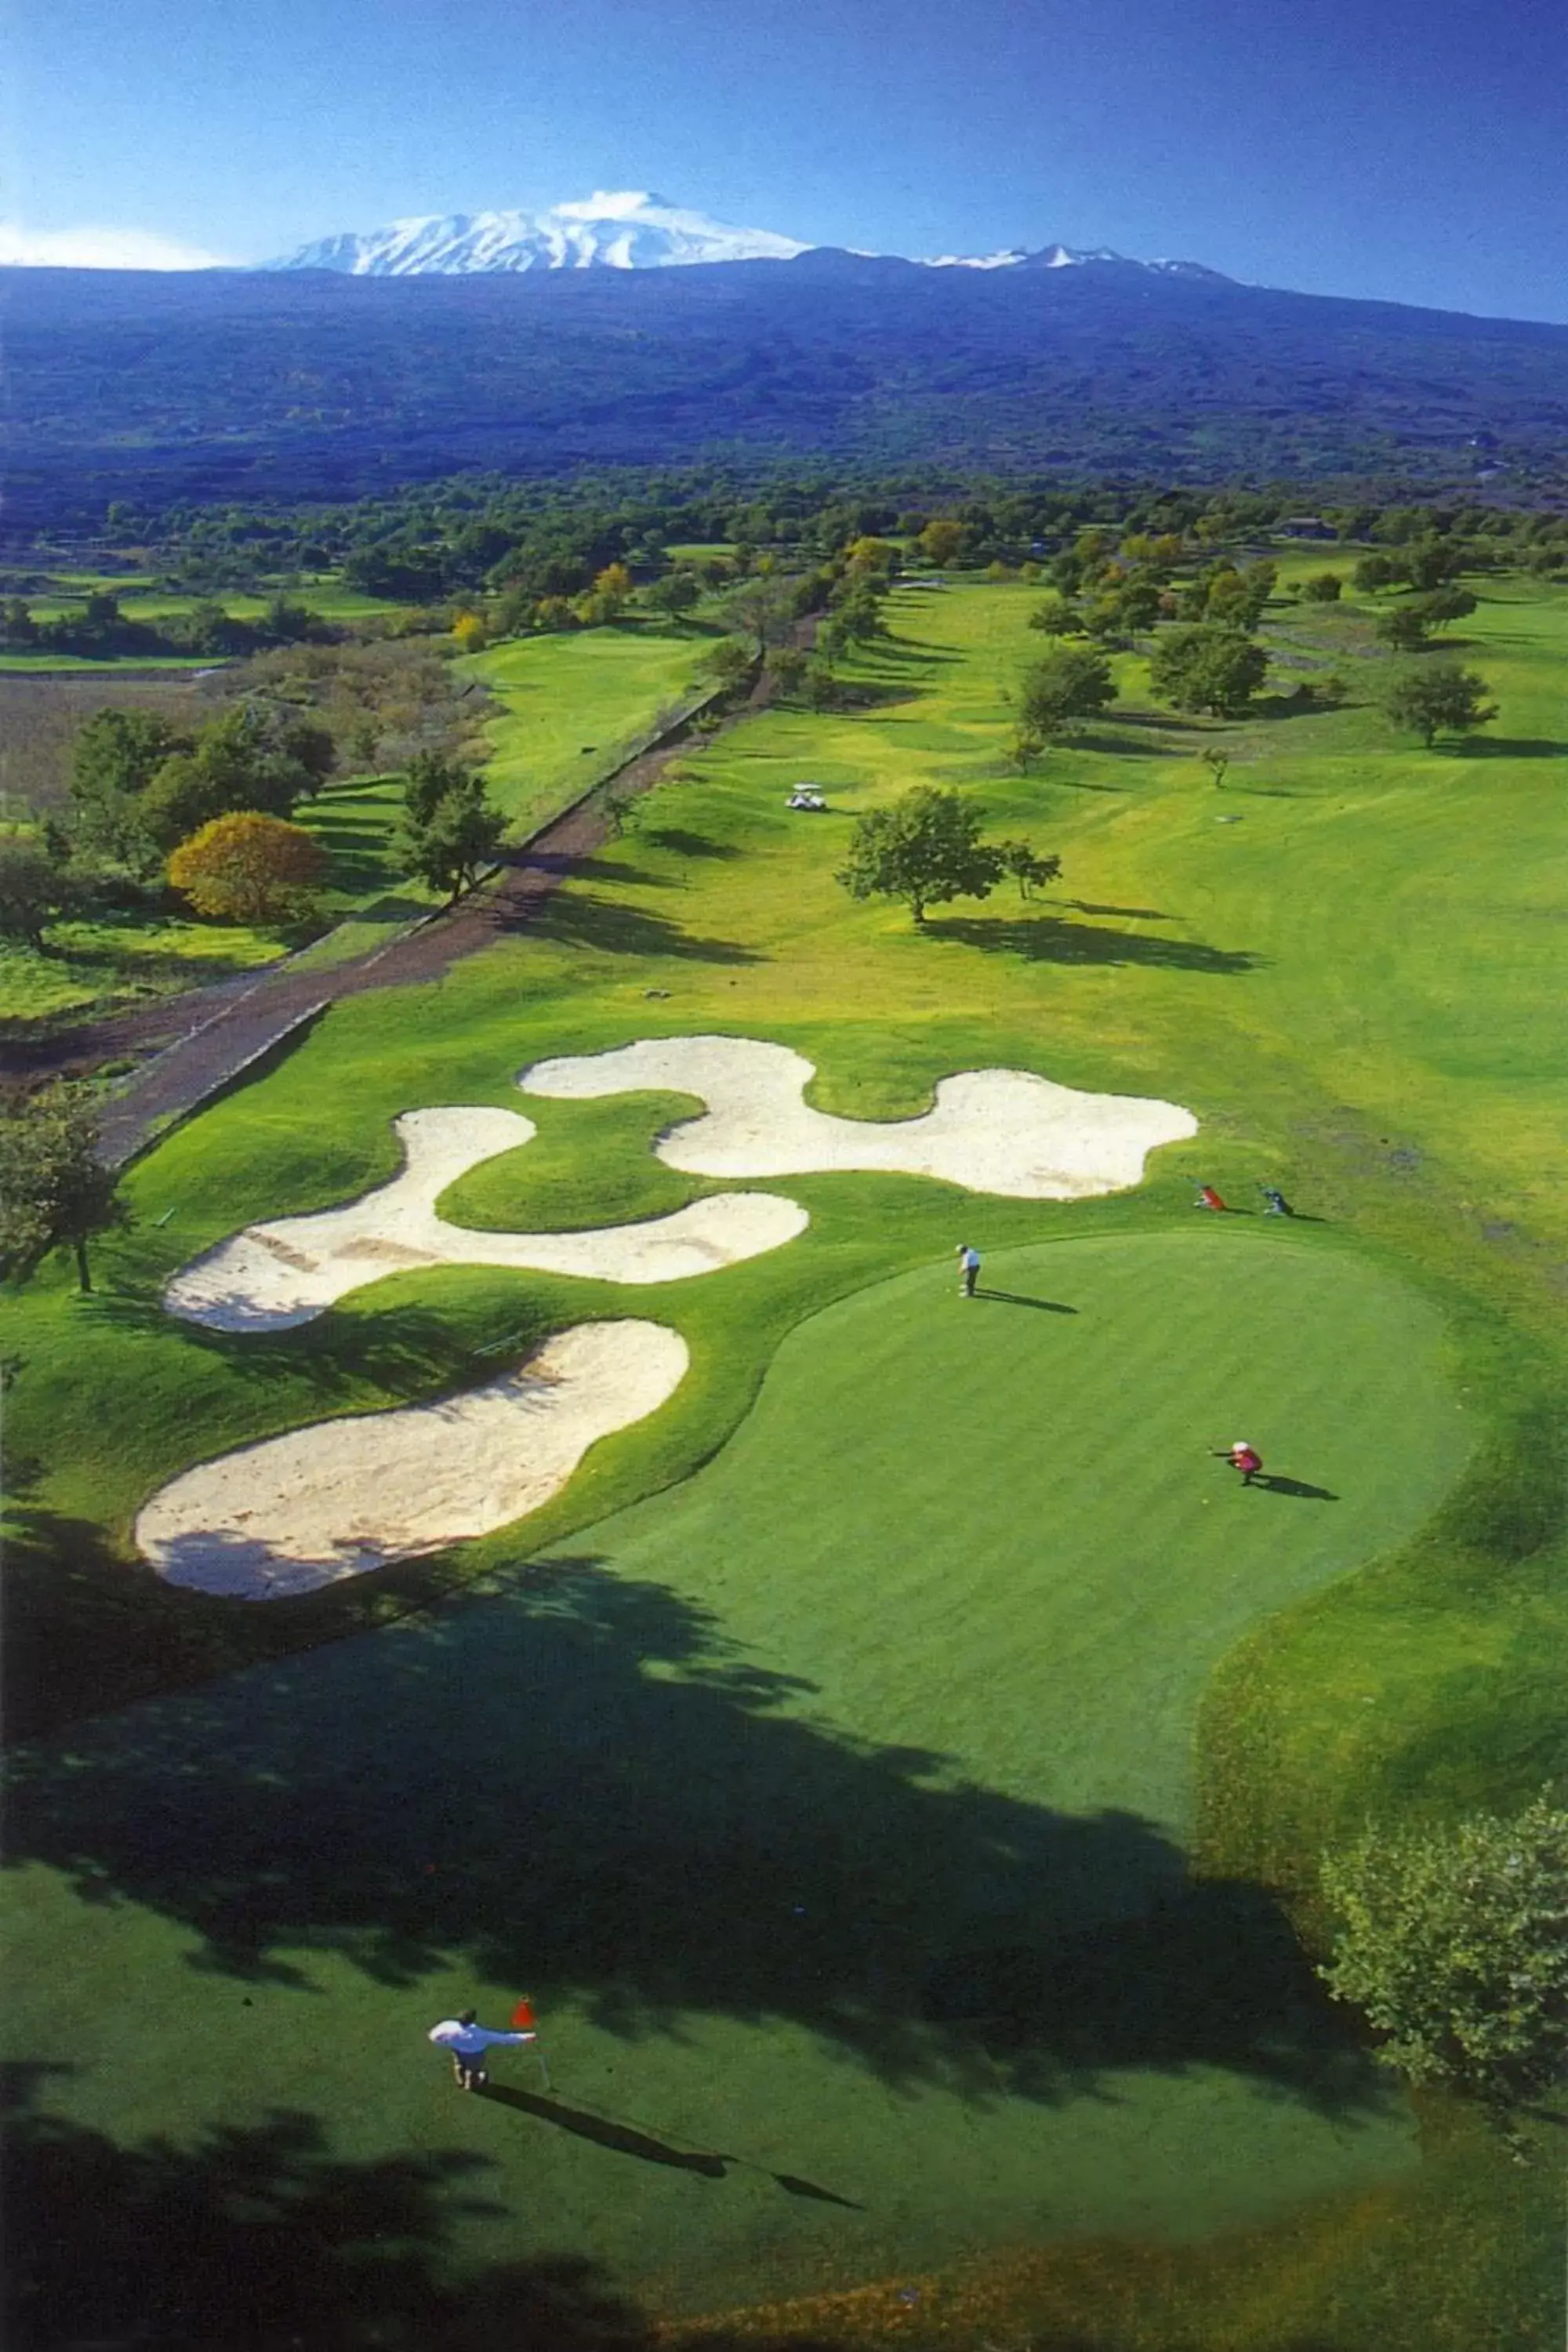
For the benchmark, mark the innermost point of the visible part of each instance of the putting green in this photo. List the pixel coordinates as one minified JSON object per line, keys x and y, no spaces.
{"x":994,"y":1530}
{"x":831,"y":1807}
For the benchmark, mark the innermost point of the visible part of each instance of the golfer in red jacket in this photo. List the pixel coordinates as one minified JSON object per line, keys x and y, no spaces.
{"x":1245,"y":1458}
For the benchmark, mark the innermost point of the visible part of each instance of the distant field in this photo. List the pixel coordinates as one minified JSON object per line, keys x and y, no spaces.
{"x":139,"y":602}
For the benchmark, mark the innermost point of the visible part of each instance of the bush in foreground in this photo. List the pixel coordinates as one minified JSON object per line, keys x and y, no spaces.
{"x":1455,"y":1942}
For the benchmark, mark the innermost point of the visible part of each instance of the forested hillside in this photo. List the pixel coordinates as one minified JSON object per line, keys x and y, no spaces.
{"x":262,"y":385}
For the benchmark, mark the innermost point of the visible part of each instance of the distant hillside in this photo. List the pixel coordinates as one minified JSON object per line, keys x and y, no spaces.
{"x":314,"y":385}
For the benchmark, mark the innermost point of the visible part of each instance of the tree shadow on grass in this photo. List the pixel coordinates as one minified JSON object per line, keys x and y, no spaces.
{"x":391,"y":909}
{"x":1207,"y":1967}
{"x":1127,"y":747}
{"x":406,"y":1349}
{"x":1047,"y":939}
{"x":263,"y":2240}
{"x":1129,"y":914}
{"x":686,"y":844}
{"x":1509,"y":747}
{"x":576,"y":1783}
{"x":580,"y":919}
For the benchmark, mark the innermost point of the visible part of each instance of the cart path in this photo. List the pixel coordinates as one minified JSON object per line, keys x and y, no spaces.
{"x":200,"y":1042}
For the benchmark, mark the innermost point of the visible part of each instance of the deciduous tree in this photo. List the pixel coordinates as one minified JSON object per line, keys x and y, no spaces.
{"x":1029,"y":867}
{"x":1074,"y":682}
{"x":36,"y":889}
{"x":1322,"y":588}
{"x":248,"y":868}
{"x":1446,"y":604}
{"x":450,"y":831}
{"x":1439,"y":698}
{"x":942,"y":541}
{"x":1204,"y":667}
{"x":55,"y":1191}
{"x":1054,"y":615}
{"x":924,"y":849}
{"x":732,"y":662}
{"x":1405,"y":628}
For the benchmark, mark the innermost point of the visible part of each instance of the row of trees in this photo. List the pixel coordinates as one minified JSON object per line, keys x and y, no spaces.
{"x":469,"y":532}
{"x":140,"y":785}
{"x":100,"y":629}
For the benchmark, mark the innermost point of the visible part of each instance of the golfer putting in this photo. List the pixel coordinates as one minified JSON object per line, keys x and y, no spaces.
{"x":1241,"y":1456}
{"x":467,"y":2041}
{"x":969,"y":1269}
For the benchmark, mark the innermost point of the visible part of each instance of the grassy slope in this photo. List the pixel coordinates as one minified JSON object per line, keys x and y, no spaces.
{"x":1241,"y":996}
{"x":569,"y":701}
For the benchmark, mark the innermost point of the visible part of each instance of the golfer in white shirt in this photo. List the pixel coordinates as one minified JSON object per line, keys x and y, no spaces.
{"x":468,"y":2040}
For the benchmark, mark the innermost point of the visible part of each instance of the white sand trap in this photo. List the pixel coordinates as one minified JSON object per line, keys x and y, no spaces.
{"x":1002,"y":1131}
{"x":344,"y":1497}
{"x":272,"y":1277}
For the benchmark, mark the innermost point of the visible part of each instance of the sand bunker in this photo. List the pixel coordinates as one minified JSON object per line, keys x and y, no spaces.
{"x":1002,"y":1131}
{"x":344,"y":1497}
{"x":272,"y":1277}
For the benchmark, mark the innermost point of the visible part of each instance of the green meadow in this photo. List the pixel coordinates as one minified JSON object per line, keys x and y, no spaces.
{"x":894,"y":1769}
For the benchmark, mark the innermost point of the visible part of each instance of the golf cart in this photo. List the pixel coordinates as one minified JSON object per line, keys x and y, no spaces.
{"x":805,"y":797}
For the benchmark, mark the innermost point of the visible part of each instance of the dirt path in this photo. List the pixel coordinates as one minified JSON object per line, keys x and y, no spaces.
{"x":202,"y":1042}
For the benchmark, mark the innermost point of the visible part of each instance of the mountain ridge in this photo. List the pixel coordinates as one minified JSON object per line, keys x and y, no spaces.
{"x":629,"y":228}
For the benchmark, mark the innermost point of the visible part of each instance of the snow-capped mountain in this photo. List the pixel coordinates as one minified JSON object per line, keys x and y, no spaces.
{"x":623,"y":229}
{"x":1070,"y":256}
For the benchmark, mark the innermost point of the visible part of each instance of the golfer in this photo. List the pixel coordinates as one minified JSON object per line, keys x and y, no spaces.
{"x":468,"y":2040}
{"x":1209,"y":1199}
{"x":1245,"y":1458}
{"x":969,"y":1267}
{"x":1275,"y":1205}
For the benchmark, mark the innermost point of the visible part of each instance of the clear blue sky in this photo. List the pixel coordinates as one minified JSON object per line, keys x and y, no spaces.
{"x":1411,"y":148}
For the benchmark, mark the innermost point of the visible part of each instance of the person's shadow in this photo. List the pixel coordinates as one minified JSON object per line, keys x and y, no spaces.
{"x":606,"y":2134}
{"x":627,"y":2141}
{"x":1297,"y":1487}
{"x":1016,"y":1299}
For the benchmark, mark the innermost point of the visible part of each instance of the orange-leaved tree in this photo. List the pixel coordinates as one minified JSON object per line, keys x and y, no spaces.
{"x":248,"y":869}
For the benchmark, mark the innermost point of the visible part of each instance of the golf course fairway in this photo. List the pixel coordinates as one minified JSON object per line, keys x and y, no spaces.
{"x":787,"y":1796}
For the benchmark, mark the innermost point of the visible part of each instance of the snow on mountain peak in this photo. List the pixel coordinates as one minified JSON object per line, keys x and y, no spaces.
{"x":627,"y":228}
{"x":623,"y":228}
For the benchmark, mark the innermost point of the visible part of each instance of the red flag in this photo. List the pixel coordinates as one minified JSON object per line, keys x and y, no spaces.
{"x":522,"y":2016}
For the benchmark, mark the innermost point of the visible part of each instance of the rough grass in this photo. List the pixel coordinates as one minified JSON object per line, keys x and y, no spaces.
{"x":1391,"y":1065}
